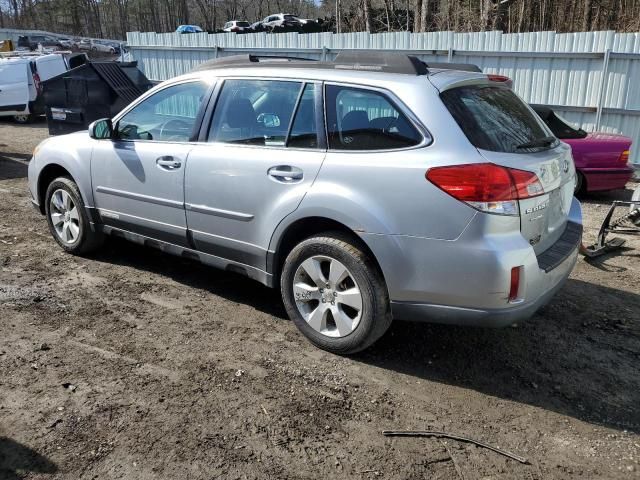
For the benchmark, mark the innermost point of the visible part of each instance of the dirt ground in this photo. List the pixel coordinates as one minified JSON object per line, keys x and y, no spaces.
{"x":136,"y":365}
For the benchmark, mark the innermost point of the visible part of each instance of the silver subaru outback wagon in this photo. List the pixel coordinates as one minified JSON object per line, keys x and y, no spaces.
{"x":366,"y":189}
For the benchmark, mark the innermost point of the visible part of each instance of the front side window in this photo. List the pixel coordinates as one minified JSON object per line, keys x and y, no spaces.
{"x":359,"y":119}
{"x":496,"y":119}
{"x":254,"y":112}
{"x":167,"y":116}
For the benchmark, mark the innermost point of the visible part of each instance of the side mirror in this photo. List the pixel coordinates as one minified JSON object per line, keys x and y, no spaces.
{"x":101,"y":129}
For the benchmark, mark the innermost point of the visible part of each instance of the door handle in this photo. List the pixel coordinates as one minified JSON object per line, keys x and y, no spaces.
{"x":285,"y":173}
{"x":168,"y":163}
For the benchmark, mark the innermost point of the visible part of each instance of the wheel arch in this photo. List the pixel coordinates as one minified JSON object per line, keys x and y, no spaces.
{"x":49,"y":173}
{"x":301,"y":228}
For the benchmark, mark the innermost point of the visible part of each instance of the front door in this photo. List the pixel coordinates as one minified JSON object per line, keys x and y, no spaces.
{"x":138,"y":178}
{"x":262,"y":156}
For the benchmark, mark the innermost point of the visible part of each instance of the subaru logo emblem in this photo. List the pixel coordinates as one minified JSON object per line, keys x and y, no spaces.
{"x":565,"y":166}
{"x":543,"y":173}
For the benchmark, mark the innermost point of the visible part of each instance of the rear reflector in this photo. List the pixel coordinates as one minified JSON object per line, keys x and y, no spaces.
{"x":487,"y":187}
{"x":515,"y":284}
{"x":624,"y":157}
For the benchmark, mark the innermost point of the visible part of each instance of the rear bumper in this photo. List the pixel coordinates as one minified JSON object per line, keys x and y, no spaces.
{"x":599,"y":179}
{"x":466,"y":281}
{"x":487,"y":317}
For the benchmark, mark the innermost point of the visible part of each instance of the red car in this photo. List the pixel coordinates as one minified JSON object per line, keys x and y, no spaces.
{"x":601,"y":158}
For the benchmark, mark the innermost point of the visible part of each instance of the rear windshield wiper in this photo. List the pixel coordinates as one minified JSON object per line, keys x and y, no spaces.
{"x":538,"y":142}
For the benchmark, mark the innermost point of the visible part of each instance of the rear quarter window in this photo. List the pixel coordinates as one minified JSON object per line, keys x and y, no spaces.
{"x":495,"y":118}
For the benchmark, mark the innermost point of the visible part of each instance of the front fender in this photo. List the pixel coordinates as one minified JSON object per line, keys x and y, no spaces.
{"x":71,"y":152}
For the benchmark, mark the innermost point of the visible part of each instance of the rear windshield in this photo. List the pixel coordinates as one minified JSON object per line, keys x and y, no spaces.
{"x":495,"y":119}
{"x":561,"y":127}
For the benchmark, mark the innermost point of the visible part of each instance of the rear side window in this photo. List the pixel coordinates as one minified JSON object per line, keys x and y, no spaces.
{"x":303,"y":130}
{"x":360,"y":119}
{"x":495,"y":119}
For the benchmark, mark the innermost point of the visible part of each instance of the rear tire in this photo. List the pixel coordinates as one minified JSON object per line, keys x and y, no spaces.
{"x":580,"y":183}
{"x":335,"y":294}
{"x":22,"y":119}
{"x":67,"y":217}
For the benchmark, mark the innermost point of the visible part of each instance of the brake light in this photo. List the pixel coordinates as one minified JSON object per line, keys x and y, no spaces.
{"x":487,"y":187}
{"x":624,"y":157}
{"x":498,"y":78}
{"x":36,"y":82}
{"x":515,"y":284}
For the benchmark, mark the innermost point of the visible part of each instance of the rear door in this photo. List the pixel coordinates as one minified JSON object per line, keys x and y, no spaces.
{"x":49,"y":66}
{"x":507,"y":132}
{"x":263,"y":153}
{"x":14,"y":86}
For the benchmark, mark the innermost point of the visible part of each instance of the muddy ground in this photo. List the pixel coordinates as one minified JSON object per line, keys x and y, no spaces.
{"x":136,"y":365}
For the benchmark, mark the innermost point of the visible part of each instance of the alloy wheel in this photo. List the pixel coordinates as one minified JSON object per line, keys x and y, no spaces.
{"x":64,"y":216}
{"x":327,"y":296}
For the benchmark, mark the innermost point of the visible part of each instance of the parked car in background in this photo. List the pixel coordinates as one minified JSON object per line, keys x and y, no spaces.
{"x":67,"y":43}
{"x":189,"y":29}
{"x":31,"y":42}
{"x":102,"y":46}
{"x":84,"y":44}
{"x":20,"y":84}
{"x":258,"y":27}
{"x":281,"y":21}
{"x":238,"y":26}
{"x":601,"y":158}
{"x":408,"y":193}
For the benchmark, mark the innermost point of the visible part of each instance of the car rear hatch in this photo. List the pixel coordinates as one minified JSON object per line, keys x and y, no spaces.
{"x":507,"y":133}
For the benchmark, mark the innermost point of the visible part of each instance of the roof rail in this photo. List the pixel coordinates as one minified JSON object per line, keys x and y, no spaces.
{"x":368,"y":60}
{"x":380,"y":61}
{"x":247,"y":60}
{"x":21,"y":53}
{"x":465,"y":67}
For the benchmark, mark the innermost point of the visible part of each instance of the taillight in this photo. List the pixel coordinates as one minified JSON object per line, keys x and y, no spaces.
{"x":36,"y":82}
{"x":624,"y":157}
{"x":487,"y":187}
{"x":515,"y":284}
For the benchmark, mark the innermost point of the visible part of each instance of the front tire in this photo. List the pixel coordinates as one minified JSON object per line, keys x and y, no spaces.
{"x":67,"y":218}
{"x":335,"y":294}
{"x":22,"y":119}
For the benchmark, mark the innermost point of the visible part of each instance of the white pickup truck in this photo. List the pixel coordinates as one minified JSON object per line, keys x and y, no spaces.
{"x":20,"y":83}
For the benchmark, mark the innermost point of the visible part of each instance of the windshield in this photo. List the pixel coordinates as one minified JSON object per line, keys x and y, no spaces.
{"x":496,"y":119}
